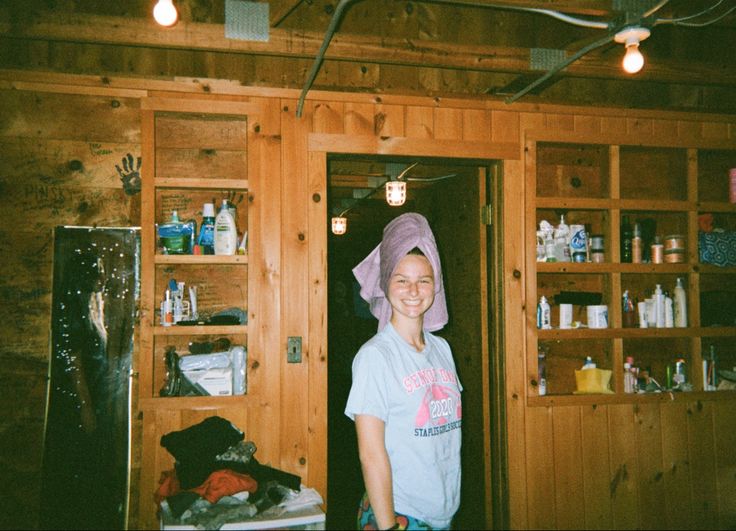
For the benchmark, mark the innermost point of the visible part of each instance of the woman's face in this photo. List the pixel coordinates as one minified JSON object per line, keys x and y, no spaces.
{"x":411,"y":287}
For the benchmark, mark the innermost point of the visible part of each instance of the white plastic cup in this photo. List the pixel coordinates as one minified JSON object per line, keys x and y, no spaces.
{"x":565,"y":315}
{"x":597,"y":316}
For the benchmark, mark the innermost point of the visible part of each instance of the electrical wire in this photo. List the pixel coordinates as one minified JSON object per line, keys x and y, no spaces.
{"x":689,"y":17}
{"x":577,"y":55}
{"x":708,"y":23}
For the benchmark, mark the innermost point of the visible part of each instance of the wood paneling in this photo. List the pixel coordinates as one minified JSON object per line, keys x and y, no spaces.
{"x":647,"y":464}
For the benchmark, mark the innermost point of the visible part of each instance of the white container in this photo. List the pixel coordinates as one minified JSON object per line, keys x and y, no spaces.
{"x":565,"y":315}
{"x":659,"y":307}
{"x":680,"y":305}
{"x":597,"y":316}
{"x":226,"y":234}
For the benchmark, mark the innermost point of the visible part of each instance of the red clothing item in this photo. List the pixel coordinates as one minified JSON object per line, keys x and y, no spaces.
{"x":220,"y":483}
{"x":225,"y":483}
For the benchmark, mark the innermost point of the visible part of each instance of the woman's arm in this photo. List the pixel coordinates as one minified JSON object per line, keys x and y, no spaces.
{"x":376,"y":468}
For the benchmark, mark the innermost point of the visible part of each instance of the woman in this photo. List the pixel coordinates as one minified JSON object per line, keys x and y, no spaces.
{"x":405,"y":396}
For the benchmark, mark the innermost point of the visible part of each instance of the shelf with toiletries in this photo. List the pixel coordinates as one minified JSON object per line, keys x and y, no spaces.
{"x":195,"y":221}
{"x":642,"y":210}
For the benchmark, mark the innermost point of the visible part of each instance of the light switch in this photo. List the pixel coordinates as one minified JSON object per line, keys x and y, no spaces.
{"x":294,"y":349}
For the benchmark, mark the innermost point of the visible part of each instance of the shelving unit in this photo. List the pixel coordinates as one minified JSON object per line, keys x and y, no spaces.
{"x":597,"y":184}
{"x":193,"y":153}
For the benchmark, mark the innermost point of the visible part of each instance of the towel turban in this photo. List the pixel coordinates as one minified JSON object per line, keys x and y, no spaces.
{"x":400,"y":236}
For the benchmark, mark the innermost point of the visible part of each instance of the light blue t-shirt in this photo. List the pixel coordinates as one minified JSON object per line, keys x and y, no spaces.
{"x":417,"y":396}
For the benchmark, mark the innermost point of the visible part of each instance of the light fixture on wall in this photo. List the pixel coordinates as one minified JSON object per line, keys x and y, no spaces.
{"x":339,"y":224}
{"x":396,"y":187}
{"x":165,"y":13}
{"x":395,"y":193}
{"x":631,"y":37}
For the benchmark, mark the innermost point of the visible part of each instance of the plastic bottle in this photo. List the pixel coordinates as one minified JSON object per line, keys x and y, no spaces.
{"x":659,"y":306}
{"x":589,"y":363}
{"x":669,"y":319}
{"x":562,"y":241}
{"x":628,"y":315}
{"x":542,"y":371}
{"x":543,"y":314}
{"x":629,"y":380}
{"x":175,"y":236}
{"x":626,"y":236}
{"x":680,"y":305}
{"x":636,"y":245}
{"x":226,"y":234}
{"x":206,"y":238}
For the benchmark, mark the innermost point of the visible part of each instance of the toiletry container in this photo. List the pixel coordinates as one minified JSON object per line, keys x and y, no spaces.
{"x":226,"y":234}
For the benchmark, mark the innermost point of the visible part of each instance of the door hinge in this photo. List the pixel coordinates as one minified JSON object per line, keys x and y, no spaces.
{"x":486,"y":214}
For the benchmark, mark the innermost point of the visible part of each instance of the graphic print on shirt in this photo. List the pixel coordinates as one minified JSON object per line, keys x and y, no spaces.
{"x":440,"y":409}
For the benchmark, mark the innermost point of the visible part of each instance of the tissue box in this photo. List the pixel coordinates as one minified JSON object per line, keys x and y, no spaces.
{"x":593,"y":381}
{"x":717,"y":248}
{"x":217,"y":382}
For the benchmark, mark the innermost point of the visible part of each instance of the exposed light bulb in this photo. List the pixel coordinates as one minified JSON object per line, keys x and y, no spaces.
{"x":633,"y":60}
{"x":631,"y":37}
{"x":395,"y":192}
{"x":339,"y":225}
{"x":165,"y":13}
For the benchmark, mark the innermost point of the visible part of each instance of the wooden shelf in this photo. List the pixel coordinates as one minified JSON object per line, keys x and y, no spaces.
{"x":201,"y":184}
{"x":194,"y":259}
{"x":628,"y":398}
{"x":585,"y":203}
{"x":654,"y":333}
{"x":203,"y":330}
{"x":191,"y":402}
{"x":609,"y":267}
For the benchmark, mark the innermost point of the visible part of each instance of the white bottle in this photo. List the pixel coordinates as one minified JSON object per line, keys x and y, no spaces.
{"x":562,"y":241}
{"x":226,"y":234}
{"x":589,"y":363}
{"x":680,"y":305}
{"x":659,"y":307}
{"x":543,"y":314}
{"x":669,"y":319}
{"x":628,"y":378}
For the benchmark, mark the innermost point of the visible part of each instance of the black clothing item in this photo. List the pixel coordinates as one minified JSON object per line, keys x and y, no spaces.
{"x":203,"y":441}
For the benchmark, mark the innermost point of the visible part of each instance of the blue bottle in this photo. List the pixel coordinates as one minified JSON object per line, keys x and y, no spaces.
{"x":206,"y":238}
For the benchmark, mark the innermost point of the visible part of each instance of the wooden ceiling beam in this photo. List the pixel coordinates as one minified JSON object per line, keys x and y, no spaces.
{"x":79,"y":28}
{"x":598,"y":8}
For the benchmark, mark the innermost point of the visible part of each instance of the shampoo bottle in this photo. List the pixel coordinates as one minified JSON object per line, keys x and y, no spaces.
{"x":543,"y":314}
{"x":226,"y":234}
{"x":680,"y":305}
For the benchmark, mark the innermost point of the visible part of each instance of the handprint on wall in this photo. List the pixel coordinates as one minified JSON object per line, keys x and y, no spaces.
{"x":130,"y":174}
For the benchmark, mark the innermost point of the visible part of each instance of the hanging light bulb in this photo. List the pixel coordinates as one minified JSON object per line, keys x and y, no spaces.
{"x":339,"y":225}
{"x":165,"y":13}
{"x":631,"y":37}
{"x":395,"y":192}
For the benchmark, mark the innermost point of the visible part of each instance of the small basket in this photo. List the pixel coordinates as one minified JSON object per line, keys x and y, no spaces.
{"x":593,"y":381}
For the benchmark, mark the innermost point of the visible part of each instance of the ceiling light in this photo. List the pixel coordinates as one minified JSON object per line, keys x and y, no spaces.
{"x":339,"y":225}
{"x":395,"y":192}
{"x":165,"y":13}
{"x":631,"y":37}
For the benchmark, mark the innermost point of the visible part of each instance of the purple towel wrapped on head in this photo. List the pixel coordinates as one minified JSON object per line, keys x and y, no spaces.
{"x":400,"y":236}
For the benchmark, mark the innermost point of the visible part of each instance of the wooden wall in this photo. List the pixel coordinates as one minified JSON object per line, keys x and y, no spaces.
{"x":647,"y":465}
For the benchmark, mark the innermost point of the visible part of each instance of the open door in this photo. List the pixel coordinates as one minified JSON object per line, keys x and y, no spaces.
{"x":453,"y":207}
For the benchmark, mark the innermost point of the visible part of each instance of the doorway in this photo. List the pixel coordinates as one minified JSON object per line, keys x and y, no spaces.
{"x":451,"y":194}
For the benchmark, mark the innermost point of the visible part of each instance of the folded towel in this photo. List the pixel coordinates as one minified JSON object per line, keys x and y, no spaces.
{"x":400,"y":236}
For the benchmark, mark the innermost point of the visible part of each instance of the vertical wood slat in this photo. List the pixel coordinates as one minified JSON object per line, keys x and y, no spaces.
{"x":624,"y":472}
{"x":596,"y":467}
{"x":477,"y":125}
{"x":651,"y":485}
{"x":265,"y":273}
{"x":448,"y":124}
{"x":514,"y":330}
{"x":294,"y":286}
{"x":389,"y":120}
{"x":570,"y":506}
{"x":676,"y":466}
{"x":702,"y":458}
{"x":540,"y":469}
{"x":317,"y":318}
{"x":724,"y":421}
{"x":359,"y":119}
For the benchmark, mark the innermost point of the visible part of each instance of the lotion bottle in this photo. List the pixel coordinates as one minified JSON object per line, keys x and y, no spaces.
{"x":226,"y":234}
{"x":680,"y":305}
{"x":543,"y":314}
{"x":659,"y":306}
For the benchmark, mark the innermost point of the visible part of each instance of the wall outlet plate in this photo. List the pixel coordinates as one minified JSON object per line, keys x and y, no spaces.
{"x":294,"y":349}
